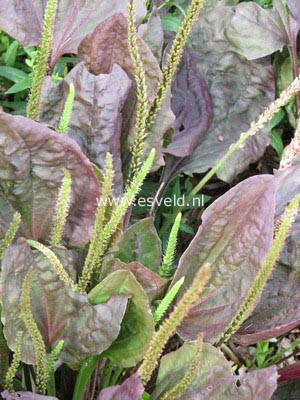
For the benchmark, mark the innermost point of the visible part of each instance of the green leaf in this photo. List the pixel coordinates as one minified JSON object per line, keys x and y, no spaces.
{"x":141,"y":243}
{"x":170,"y":23}
{"x":13,"y":74}
{"x":137,"y":327}
{"x":84,"y":376}
{"x":278,"y":117}
{"x":18,"y":106}
{"x":11,"y":54}
{"x":186,"y":228}
{"x":20,"y":86}
{"x":276,"y":142}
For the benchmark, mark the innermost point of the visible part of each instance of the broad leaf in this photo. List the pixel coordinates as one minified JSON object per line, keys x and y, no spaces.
{"x":294,"y":7}
{"x":96,"y":115}
{"x":252,"y":22}
{"x":141,"y":243}
{"x":289,"y":372}
{"x":153,"y":35}
{"x":74,"y":20}
{"x":235,"y":244}
{"x":25,"y":396}
{"x":289,"y":390}
{"x":137,"y":327}
{"x":60,"y":313}
{"x":214,"y":379}
{"x":32,"y":159}
{"x":108,"y":45}
{"x":154,"y":285}
{"x":192,"y":106}
{"x":279,"y":308}
{"x":240,"y":91}
{"x":131,"y":389}
{"x":288,"y":188}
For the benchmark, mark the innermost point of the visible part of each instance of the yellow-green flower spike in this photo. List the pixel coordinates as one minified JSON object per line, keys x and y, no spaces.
{"x":41,"y":362}
{"x":185,"y":382}
{"x":265,"y":270}
{"x":166,"y":301}
{"x":54,"y":354}
{"x":171,"y":247}
{"x":67,"y":112}
{"x":140,"y":132}
{"x":175,"y":57}
{"x":56,"y":264}
{"x":61,"y":210}
{"x":94,"y":255}
{"x":41,"y":64}
{"x":112,"y":225}
{"x":10,"y":234}
{"x":11,"y":373}
{"x":168,"y":327}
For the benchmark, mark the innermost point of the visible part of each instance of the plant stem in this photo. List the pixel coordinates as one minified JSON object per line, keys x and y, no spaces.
{"x":116,"y":376}
{"x":51,"y":389}
{"x":295,"y":69}
{"x":96,"y":373}
{"x":106,"y":375}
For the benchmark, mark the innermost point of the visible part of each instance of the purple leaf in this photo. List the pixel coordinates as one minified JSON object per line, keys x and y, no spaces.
{"x":153,"y":35}
{"x":294,"y":7}
{"x":289,"y":390}
{"x":214,"y":379}
{"x":237,"y":100}
{"x":108,"y":45}
{"x":192,"y":106}
{"x":74,"y":20}
{"x":32,"y":159}
{"x":60,"y":313}
{"x":288,"y":188}
{"x":235,"y":237}
{"x":289,"y":372}
{"x":25,"y":396}
{"x":96,"y":117}
{"x":252,"y":22}
{"x":131,"y":389}
{"x":279,"y":308}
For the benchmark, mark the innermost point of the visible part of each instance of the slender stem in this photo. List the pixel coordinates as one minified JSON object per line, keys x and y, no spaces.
{"x":295,"y":69}
{"x":116,"y":376}
{"x":106,"y":375}
{"x":51,"y":389}
{"x":96,"y":374}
